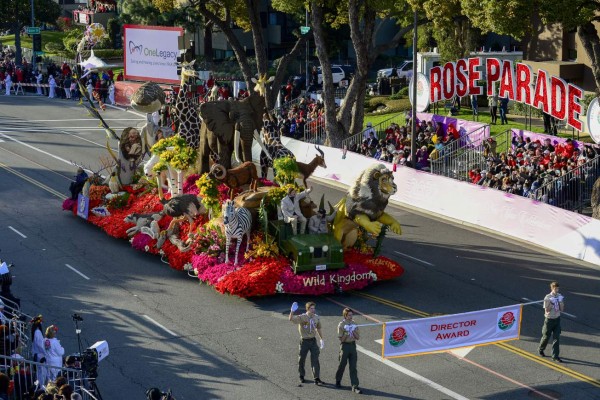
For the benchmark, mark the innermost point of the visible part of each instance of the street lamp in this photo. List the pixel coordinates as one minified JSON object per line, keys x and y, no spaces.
{"x":413,"y":136}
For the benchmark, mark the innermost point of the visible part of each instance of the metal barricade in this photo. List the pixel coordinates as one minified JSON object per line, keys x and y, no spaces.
{"x":571,"y":191}
{"x":357,"y":139}
{"x":471,"y":155}
{"x":24,"y":375}
{"x":314,"y":131}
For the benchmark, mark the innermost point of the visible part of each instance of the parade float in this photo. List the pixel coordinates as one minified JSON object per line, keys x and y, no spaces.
{"x":180,"y":196}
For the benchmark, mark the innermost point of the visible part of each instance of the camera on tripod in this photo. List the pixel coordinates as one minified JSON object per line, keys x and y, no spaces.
{"x":92,"y":356}
{"x":77,"y":317}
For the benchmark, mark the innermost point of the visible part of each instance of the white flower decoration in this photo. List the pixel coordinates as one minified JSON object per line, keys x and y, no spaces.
{"x":147,"y":248}
{"x":187,"y":267}
{"x":279,"y":287}
{"x":161,"y":252}
{"x":373,"y":276}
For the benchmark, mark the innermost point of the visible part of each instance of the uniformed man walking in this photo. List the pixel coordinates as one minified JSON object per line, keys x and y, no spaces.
{"x":309,"y":326}
{"x":348,"y":334}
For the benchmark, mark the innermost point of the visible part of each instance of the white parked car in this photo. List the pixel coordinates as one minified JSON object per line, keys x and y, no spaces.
{"x":404,"y":70}
{"x":339,"y":72}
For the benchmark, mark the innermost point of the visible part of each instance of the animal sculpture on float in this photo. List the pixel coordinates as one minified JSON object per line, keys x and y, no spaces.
{"x":364,"y":206}
{"x":230,"y":124}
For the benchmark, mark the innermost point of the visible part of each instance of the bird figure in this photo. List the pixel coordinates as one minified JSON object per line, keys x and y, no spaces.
{"x":113,"y":183}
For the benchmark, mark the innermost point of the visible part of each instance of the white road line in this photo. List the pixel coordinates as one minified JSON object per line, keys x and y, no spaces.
{"x":160,"y":326}
{"x":54,"y":128}
{"x":17,"y":232}
{"x":414,"y":258}
{"x":570,"y":315}
{"x":35,"y":148}
{"x":126,"y":110}
{"x":77,"y":272}
{"x":412,"y":374}
{"x":84,"y":119}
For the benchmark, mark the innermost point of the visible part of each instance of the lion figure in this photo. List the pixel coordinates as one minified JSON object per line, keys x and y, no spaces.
{"x":364,"y":206}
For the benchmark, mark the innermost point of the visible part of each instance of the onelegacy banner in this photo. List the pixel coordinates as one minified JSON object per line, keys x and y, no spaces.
{"x":428,"y":335}
{"x":150,"y":53}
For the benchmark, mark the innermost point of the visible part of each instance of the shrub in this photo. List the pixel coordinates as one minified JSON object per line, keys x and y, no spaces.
{"x":54,"y":47}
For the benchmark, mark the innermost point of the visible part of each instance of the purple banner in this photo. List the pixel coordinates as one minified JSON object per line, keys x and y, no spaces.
{"x":542,"y":136}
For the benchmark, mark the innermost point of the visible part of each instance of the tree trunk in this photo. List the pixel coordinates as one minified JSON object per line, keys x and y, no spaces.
{"x":238,"y":49}
{"x":208,"y":38}
{"x":281,"y":71}
{"x":257,"y":36}
{"x":334,"y":136}
{"x":591,"y":43}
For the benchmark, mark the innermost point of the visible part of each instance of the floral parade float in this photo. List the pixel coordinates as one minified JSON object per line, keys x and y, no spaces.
{"x":203,"y":214}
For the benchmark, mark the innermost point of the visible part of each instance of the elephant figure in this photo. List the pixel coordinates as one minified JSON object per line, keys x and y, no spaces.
{"x":221,"y":120}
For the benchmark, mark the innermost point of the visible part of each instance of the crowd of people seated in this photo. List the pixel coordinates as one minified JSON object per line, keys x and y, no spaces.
{"x":394,"y":147}
{"x":293,"y":119}
{"x":529,"y":164}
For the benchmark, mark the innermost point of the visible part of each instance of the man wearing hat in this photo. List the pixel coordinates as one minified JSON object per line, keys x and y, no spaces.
{"x":290,"y":208}
{"x":319,"y":222}
{"x":367,"y":132}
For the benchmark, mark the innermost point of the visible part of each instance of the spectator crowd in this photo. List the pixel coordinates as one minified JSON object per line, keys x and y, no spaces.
{"x":58,"y":81}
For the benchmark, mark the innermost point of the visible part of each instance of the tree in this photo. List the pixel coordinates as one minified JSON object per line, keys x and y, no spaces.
{"x":364,"y":17}
{"x":17,"y":13}
{"x":224,"y":15}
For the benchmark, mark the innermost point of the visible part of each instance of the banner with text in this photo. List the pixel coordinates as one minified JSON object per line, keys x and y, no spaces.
{"x":150,"y":53}
{"x":429,"y":335}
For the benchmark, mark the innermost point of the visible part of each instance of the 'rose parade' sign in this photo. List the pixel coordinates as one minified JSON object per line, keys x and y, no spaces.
{"x":515,"y":81}
{"x":428,"y":335}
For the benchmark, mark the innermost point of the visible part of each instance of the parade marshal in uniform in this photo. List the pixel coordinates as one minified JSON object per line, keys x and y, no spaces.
{"x":348,"y":334}
{"x":309,"y":326}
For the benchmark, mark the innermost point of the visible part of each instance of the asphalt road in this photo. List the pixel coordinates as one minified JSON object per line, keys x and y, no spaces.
{"x":165,"y":329}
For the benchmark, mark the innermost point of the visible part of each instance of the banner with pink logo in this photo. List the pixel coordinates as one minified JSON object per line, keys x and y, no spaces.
{"x":435,"y":334}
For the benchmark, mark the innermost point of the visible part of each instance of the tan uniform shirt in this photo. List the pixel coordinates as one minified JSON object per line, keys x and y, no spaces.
{"x":552,"y":302}
{"x":307,"y":326}
{"x":342,"y":332}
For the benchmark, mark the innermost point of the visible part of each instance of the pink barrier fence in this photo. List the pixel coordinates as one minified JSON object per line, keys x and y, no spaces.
{"x":520,"y":218}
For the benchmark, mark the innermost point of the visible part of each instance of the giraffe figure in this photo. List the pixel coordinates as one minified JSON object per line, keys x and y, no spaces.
{"x":185,"y":111}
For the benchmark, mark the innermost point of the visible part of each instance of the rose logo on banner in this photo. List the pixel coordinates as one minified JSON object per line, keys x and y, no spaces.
{"x":506,"y":321}
{"x":398,"y":337}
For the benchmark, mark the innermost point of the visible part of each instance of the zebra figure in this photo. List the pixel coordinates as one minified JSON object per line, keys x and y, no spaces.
{"x":237,"y":224}
{"x":276,"y":149}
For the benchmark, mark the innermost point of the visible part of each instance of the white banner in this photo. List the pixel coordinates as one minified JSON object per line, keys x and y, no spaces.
{"x":150,"y":53}
{"x":428,"y":335}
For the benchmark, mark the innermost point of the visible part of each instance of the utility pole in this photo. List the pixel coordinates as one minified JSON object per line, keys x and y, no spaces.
{"x":32,"y":24}
{"x":17,"y":25}
{"x":307,"y":53}
{"x":413,"y":136}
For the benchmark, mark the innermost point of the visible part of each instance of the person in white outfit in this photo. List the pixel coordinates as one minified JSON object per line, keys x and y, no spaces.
{"x":54,"y":352}
{"x":90,"y":89}
{"x":52,"y":84}
{"x":290,"y":208}
{"x":8,"y":84}
{"x":37,"y":349}
{"x":38,"y":81}
{"x":111,"y":93}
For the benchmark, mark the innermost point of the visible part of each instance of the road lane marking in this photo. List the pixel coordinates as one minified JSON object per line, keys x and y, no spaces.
{"x":34,"y":148}
{"x":412,"y":374}
{"x":84,"y":119}
{"x":524,"y":386}
{"x":77,"y":272}
{"x":415,"y":259}
{"x":17,"y":232}
{"x":462,"y":352}
{"x":541,"y":301}
{"x":33,"y":181}
{"x":160,"y":326}
{"x":557,"y":367}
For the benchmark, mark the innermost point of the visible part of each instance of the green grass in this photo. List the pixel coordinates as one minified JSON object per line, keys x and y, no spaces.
{"x":47,"y":37}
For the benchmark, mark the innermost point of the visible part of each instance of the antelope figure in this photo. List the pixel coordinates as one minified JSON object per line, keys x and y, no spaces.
{"x":306,"y":170}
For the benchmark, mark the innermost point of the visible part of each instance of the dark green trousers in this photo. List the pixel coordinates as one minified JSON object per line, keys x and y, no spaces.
{"x":348,"y":355}
{"x":307,"y":345}
{"x":551,"y":327}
